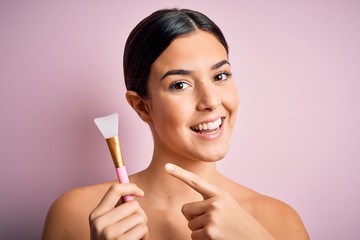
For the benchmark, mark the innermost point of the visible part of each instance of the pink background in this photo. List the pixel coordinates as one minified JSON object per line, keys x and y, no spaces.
{"x":297,"y":65}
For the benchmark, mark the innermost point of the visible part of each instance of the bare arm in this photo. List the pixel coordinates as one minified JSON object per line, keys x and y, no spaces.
{"x":219,"y":216}
{"x":91,"y":214}
{"x":282,"y":220}
{"x":67,"y":218}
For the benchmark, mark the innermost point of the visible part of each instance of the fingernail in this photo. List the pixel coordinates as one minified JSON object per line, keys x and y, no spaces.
{"x":169,"y":167}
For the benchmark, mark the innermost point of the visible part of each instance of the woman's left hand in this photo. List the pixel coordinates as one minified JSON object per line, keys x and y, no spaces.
{"x":218,"y":216}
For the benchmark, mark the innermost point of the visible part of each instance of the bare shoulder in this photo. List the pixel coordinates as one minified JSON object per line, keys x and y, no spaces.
{"x":279,"y":218}
{"x":67,"y":217}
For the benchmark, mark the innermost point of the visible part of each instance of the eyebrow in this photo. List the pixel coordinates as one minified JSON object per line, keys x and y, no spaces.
{"x":219,"y":64}
{"x":187,"y":72}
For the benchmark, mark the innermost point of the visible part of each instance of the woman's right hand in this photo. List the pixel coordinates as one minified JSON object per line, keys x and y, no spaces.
{"x":116,"y":219}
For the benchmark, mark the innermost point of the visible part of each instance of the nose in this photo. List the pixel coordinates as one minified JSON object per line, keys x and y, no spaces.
{"x":208,"y":97}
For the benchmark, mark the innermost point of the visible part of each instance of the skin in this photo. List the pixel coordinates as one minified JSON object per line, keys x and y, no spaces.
{"x":180,"y":195}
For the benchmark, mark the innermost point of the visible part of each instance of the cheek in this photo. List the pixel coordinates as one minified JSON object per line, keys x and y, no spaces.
{"x":231,"y":99}
{"x":169,"y":111}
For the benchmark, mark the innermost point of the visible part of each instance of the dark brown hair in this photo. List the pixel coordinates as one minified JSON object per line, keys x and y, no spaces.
{"x":153,"y":35}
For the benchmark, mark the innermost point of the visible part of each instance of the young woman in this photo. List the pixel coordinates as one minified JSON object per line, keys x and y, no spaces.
{"x":179,"y":82}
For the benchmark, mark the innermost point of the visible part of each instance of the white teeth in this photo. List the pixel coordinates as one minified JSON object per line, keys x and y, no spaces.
{"x":208,"y":125}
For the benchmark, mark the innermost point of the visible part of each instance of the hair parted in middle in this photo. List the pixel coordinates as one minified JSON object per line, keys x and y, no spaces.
{"x":153,"y":35}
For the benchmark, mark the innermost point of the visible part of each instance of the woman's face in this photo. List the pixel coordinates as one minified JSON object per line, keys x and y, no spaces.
{"x":192,"y":99}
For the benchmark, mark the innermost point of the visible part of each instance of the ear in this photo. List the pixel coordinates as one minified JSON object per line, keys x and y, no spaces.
{"x":140,"y":106}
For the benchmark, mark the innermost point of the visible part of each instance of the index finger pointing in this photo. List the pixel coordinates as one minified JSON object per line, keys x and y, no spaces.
{"x":200,"y":185}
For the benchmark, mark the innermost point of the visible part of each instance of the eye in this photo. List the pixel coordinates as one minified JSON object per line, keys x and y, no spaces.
{"x":178,"y":86}
{"x":222,"y":76}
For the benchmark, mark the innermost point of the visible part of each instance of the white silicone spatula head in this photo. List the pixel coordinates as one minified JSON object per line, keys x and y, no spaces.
{"x":108,"y":125}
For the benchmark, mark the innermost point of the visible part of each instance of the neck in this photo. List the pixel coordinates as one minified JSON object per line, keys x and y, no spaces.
{"x":165,"y":189}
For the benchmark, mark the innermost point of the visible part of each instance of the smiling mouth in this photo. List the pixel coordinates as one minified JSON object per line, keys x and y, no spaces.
{"x":208,"y":127}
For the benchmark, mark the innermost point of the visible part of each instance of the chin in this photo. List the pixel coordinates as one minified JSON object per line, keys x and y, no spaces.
{"x":213,"y":156}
